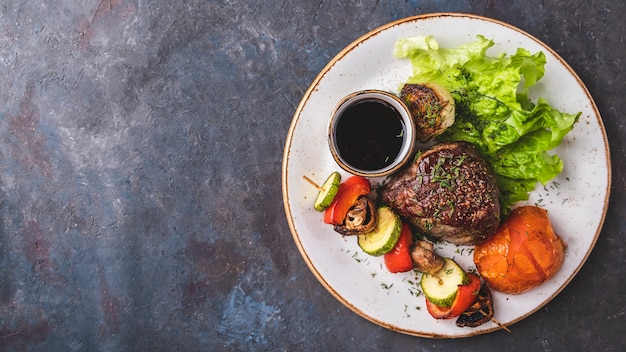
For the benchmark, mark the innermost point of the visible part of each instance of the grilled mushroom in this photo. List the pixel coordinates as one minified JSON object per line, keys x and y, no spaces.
{"x":424,"y":258}
{"x":361,"y":218}
{"x":431,"y":106}
{"x":480,"y":312}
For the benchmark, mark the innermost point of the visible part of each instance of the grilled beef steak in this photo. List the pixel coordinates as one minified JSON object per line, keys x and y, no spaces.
{"x":449,"y":193}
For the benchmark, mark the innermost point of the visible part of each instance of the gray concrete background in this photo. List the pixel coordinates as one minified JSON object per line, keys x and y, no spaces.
{"x":140,"y":159}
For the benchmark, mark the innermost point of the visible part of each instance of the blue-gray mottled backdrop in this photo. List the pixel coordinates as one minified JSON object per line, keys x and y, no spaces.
{"x":140,"y":158}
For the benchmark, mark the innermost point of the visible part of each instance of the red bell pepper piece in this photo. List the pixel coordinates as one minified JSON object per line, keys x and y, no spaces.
{"x":349,"y":191}
{"x":465,"y":297}
{"x":399,"y":259}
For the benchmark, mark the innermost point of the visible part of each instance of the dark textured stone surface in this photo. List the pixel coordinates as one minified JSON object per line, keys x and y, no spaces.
{"x":140,"y":158}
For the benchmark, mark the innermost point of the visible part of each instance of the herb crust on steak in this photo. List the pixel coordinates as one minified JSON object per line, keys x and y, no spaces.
{"x":449,"y":193}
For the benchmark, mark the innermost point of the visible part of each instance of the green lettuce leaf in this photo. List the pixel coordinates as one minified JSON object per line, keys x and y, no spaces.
{"x":493,"y":110}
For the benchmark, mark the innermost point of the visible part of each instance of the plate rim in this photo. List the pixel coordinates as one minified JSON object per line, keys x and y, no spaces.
{"x":313,"y":86}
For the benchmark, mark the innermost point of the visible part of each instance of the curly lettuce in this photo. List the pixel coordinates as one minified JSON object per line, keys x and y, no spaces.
{"x":493,"y":110}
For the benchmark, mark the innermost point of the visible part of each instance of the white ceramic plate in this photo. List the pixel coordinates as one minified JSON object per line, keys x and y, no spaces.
{"x":576,"y":200}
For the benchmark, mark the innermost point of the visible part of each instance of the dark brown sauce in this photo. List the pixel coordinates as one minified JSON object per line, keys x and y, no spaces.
{"x":369,"y":134}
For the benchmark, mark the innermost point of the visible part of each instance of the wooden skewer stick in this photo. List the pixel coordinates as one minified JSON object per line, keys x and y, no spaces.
{"x":312,"y":182}
{"x":438,"y":278}
{"x":502,"y":326}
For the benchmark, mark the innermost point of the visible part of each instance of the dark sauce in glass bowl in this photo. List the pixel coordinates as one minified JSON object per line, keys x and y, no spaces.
{"x":369,"y":134}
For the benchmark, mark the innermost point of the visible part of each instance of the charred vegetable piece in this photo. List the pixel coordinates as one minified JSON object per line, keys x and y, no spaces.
{"x":441,"y":287}
{"x":465,"y":297}
{"x":399,"y":259}
{"x":424,"y":258}
{"x":384,"y":236}
{"x":327,"y":192}
{"x":480,"y":312}
{"x":348,"y":193}
{"x":361,"y":218}
{"x":431,"y":106}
